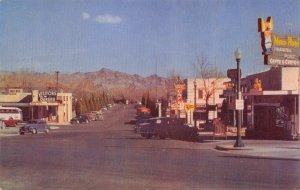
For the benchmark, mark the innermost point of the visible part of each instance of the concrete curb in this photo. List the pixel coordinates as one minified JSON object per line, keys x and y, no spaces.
{"x":265,"y":157}
{"x":234,"y":151}
{"x":231,"y":147}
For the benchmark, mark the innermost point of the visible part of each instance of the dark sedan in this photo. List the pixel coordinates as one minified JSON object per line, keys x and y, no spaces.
{"x":169,"y":128}
{"x":80,"y":119}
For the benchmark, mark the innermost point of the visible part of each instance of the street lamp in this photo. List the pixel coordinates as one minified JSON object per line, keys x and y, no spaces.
{"x":195,"y":88}
{"x":238,"y":143}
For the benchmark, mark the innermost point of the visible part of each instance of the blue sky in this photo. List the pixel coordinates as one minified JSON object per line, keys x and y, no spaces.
{"x":137,"y":36}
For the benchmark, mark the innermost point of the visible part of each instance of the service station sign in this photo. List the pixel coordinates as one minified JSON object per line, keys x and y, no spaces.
{"x":49,"y":96}
{"x":278,"y":49}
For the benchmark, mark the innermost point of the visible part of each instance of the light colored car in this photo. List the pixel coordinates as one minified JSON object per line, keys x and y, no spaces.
{"x":99,"y":117}
{"x":91,"y":116}
{"x":34,"y":126}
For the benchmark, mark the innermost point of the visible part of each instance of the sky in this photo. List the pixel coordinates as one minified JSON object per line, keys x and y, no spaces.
{"x":141,"y":37}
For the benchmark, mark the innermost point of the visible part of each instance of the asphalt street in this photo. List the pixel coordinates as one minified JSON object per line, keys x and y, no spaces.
{"x":109,"y":155}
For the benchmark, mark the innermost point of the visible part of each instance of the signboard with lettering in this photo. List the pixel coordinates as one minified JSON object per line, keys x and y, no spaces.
{"x":285,"y":51}
{"x":189,"y":107}
{"x":180,"y":87}
{"x":48,"y":96}
{"x":278,"y":49}
{"x":239,"y":104}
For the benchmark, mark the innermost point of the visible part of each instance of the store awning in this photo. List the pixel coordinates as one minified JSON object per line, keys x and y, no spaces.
{"x":271,"y":93}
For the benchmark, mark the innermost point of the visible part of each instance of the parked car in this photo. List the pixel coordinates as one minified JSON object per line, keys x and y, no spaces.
{"x":80,"y":119}
{"x":34,"y":126}
{"x":103,"y":108}
{"x":10,"y":122}
{"x":91,"y":116}
{"x":169,"y":128}
{"x":182,"y":132}
{"x":148,"y":127}
{"x":99,"y":117}
{"x":141,"y":121}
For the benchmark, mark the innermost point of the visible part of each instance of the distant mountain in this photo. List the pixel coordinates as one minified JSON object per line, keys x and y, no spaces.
{"x":114,"y":82}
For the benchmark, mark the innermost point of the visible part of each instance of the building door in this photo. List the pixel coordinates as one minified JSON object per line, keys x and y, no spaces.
{"x":270,"y":122}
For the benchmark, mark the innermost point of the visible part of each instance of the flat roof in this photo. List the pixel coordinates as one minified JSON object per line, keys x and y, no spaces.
{"x":29,"y":104}
{"x":265,"y":93}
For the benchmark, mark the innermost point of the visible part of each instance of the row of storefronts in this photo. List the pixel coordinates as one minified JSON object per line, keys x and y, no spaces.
{"x":270,"y":109}
{"x":49,"y":105}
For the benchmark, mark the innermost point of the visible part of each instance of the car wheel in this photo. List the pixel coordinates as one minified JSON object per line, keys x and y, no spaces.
{"x":34,"y":131}
{"x":47,"y":131}
{"x":21,"y":133}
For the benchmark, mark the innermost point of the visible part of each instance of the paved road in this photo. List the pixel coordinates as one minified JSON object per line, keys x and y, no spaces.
{"x":108,"y":155}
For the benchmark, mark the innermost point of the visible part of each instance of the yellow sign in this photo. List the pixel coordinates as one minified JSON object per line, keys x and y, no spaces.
{"x":189,"y":107}
{"x":286,"y":40}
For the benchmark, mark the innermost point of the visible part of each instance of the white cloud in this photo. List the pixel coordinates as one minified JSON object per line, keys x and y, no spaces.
{"x":108,"y":19}
{"x":85,"y":15}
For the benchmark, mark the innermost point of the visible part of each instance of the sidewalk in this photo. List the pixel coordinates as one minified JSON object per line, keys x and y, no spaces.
{"x":263,"y":149}
{"x":260,"y":149}
{"x":9,"y":131}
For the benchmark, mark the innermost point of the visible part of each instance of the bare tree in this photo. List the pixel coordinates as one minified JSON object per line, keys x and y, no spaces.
{"x":209,"y":74}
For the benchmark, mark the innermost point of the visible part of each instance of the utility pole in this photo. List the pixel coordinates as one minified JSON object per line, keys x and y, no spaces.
{"x":57,"y":72}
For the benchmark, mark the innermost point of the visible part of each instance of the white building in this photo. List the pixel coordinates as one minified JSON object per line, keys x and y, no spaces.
{"x":213,"y":86}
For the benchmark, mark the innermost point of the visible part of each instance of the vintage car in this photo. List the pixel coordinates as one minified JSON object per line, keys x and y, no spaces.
{"x":169,"y":128}
{"x":10,"y":122}
{"x":34,"y":127}
{"x":80,"y":119}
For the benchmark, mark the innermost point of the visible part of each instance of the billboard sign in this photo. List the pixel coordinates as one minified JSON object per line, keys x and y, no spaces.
{"x":278,"y":49}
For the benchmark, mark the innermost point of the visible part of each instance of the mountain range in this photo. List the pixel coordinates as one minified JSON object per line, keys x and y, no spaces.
{"x":113,"y":82}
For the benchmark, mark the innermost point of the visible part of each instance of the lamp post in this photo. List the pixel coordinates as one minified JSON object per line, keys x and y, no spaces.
{"x":195,"y":88}
{"x":238,"y":142}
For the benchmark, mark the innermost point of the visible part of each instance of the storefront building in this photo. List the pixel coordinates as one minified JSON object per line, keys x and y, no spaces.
{"x":271,"y":103}
{"x":48,"y":105}
{"x":196,"y":93}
